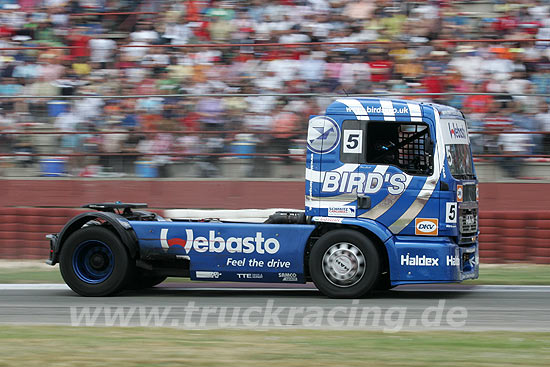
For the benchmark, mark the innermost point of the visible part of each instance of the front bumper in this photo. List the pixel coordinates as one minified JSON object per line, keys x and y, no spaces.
{"x":431,"y":260}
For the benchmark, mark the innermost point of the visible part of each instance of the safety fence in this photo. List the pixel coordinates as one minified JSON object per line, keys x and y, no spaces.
{"x":291,"y":44}
{"x":44,"y":154}
{"x":237,"y":165}
{"x":40,"y":99}
{"x":45,"y":141}
{"x":48,"y":150}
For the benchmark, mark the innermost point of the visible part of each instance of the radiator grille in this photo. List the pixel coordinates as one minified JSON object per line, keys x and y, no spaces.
{"x":468,"y":221}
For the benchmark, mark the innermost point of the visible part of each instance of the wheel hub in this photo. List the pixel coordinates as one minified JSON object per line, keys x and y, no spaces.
{"x":98,"y":261}
{"x":344,"y":264}
{"x":93,"y":261}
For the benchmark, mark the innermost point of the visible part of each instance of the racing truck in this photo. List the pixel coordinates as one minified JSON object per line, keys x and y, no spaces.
{"x":391,"y":198}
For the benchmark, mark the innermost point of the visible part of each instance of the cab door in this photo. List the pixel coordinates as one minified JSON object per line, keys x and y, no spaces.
{"x":394,"y":164}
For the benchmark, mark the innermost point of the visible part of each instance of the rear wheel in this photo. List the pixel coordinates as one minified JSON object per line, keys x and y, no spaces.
{"x":94,"y":262}
{"x":344,"y":264}
{"x":145,"y":279}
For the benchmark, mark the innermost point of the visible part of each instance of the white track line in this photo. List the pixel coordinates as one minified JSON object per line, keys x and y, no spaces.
{"x":412,"y":288}
{"x":473,"y":288}
{"x":10,"y":287}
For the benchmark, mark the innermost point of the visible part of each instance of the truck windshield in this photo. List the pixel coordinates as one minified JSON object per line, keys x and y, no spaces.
{"x":457,"y":147}
{"x":459,"y":160}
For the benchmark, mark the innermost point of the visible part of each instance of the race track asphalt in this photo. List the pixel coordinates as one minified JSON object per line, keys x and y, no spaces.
{"x":223,"y":305}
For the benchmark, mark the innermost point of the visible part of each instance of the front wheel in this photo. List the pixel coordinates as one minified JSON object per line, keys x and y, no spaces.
{"x":344,"y":264}
{"x":94,"y":262}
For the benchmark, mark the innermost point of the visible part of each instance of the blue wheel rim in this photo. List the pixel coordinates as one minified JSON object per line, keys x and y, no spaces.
{"x":93,"y":261}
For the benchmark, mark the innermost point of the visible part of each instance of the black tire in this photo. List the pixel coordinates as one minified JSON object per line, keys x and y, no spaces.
{"x":94,"y":262}
{"x":344,"y":264}
{"x":143,"y":279}
{"x":383,"y":284}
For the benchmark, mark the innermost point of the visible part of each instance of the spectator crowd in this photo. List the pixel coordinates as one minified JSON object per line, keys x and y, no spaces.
{"x":421,"y":48}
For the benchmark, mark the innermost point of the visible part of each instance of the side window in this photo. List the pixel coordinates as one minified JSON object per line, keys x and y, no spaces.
{"x":353,"y":144}
{"x":403,"y":144}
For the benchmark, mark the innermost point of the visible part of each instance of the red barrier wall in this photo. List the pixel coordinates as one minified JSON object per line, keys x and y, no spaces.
{"x":514,"y":236}
{"x":167,"y":194}
{"x":23,"y":231}
{"x":514,"y":218}
{"x":163,"y":194}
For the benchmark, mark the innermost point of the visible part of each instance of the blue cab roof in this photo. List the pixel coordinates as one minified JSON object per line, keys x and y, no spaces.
{"x":400,"y":109}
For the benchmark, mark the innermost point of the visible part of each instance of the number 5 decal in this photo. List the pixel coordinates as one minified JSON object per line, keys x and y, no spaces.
{"x":451,"y":213}
{"x":353,"y":141}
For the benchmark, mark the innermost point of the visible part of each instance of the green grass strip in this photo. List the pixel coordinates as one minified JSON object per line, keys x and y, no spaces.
{"x":72,"y":346}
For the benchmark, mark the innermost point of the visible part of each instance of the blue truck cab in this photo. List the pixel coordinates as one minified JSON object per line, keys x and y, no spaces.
{"x":403,"y":171}
{"x":391,"y":198}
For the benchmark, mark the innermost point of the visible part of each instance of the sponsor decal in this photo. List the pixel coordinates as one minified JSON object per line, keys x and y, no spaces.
{"x":459,"y":193}
{"x":419,"y":260}
{"x":288,"y":277}
{"x":323,"y":135}
{"x":344,"y":211}
{"x":383,"y":110}
{"x":426,"y":226}
{"x":453,"y":261}
{"x":250,"y":276}
{"x":353,"y":142}
{"x":255,"y":263}
{"x":207,"y":274}
{"x":278,"y":263}
{"x":235,"y":262}
{"x":363,"y":183}
{"x":214,"y":243}
{"x":451,"y":213}
{"x":456,"y":130}
{"x":327,"y":219}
